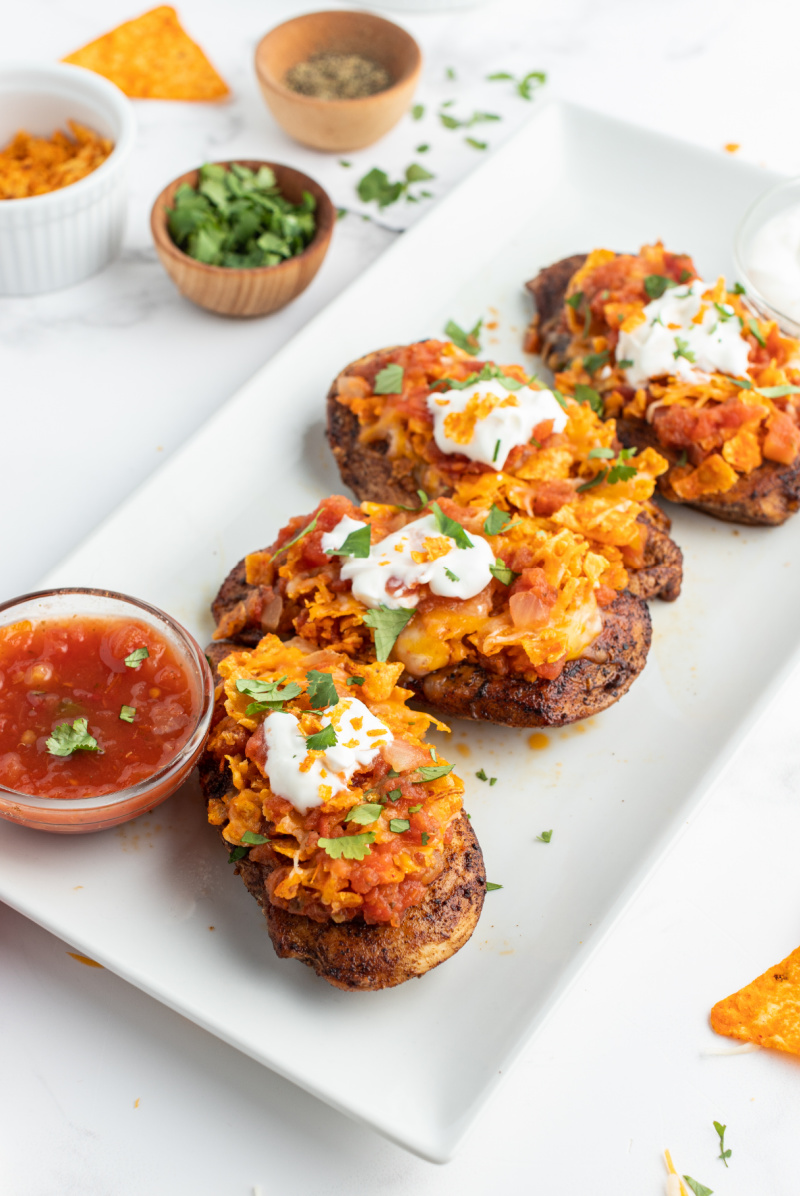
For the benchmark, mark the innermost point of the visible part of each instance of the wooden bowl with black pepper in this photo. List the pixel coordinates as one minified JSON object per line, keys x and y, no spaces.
{"x":370,"y":52}
{"x":253,"y":290}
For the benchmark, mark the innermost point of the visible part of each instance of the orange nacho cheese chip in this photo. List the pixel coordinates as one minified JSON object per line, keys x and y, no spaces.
{"x":767,"y":1011}
{"x":153,"y":58}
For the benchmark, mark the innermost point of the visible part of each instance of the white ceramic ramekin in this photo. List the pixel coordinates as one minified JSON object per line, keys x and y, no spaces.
{"x":55,"y":240}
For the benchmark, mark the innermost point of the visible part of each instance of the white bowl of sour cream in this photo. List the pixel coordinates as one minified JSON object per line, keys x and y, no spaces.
{"x":767,"y":253}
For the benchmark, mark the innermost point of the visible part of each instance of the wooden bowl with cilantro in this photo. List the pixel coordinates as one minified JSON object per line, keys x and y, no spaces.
{"x":242,"y":238}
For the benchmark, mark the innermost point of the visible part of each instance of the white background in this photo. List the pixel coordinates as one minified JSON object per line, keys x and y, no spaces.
{"x":102,"y":1090}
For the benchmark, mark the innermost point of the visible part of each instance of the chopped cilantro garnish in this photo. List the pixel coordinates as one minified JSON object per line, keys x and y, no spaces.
{"x":365,"y":814}
{"x":492,"y":781}
{"x":398,"y":825}
{"x":491,"y":887}
{"x":322,"y":739}
{"x":71,"y":737}
{"x":575,"y":300}
{"x":606,"y":454}
{"x":593,"y":362}
{"x":502,"y":572}
{"x":356,"y":544}
{"x":417,"y":112}
{"x":136,"y":657}
{"x":451,"y":575}
{"x":348,"y":847}
{"x":449,"y":73}
{"x":415,"y":809}
{"x":355,"y":680}
{"x":656,"y":284}
{"x":481,"y":775}
{"x":682,"y":460}
{"x":449,"y":527}
{"x":239,"y":218}
{"x":620,"y":472}
{"x":698,"y":1188}
{"x":389,"y":380}
{"x":757,"y":333}
{"x":468,"y":341}
{"x":393,"y":773}
{"x":738,"y":289}
{"x":429,"y":772}
{"x":267,"y":694}
{"x":321,"y":689}
{"x":418,"y":174}
{"x":423,"y":149}
{"x":559,"y":398}
{"x":236,"y":854}
{"x":127,"y":713}
{"x":254,"y":839}
{"x":394,"y":794}
{"x":496,"y":521}
{"x":685,"y":275}
{"x":777,"y":392}
{"x":375,"y":186}
{"x":496,"y":450}
{"x":387,"y":625}
{"x":723,"y":1153}
{"x":545,"y":837}
{"x":682,"y":349}
{"x":625,"y":364}
{"x":425,"y":837}
{"x":587,"y":394}
{"x":344,"y":162}
{"x":525,"y":85}
{"x":478,"y":145}
{"x":298,"y":537}
{"x":595,"y":481}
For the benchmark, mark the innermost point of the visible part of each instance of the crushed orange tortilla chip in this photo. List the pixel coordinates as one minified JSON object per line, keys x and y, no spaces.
{"x":767,"y":1011}
{"x":34,"y":165}
{"x":153,"y":58}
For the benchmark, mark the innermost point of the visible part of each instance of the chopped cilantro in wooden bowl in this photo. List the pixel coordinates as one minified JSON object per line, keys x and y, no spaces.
{"x":242,"y":238}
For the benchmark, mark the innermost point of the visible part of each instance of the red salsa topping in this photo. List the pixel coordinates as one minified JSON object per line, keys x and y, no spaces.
{"x":65,"y":683}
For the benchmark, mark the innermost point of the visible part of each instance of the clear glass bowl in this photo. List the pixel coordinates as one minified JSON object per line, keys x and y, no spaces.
{"x":767,"y":245}
{"x":76,"y":815}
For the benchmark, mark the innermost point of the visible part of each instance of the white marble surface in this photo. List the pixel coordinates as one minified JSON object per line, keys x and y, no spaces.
{"x":106,"y":1092}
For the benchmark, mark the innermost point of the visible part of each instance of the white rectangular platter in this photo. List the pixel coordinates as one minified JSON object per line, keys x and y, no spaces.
{"x":156,"y":902}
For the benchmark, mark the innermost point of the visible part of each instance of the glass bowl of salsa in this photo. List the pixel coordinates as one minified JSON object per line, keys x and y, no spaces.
{"x":105,"y":705}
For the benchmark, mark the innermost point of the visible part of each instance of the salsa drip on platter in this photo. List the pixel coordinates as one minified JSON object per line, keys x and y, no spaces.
{"x":333,"y":790}
{"x":89,"y":705}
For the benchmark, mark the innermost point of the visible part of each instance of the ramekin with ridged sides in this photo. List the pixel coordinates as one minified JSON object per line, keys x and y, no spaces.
{"x":55,"y":240}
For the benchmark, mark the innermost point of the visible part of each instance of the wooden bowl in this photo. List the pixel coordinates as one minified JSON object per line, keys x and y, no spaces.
{"x":338,"y":125}
{"x":245,"y":292}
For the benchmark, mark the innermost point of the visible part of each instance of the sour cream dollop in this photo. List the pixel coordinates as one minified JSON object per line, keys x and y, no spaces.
{"x":485,"y":421}
{"x":390,"y":574}
{"x":359,"y":738}
{"x":774,"y":261}
{"x":670,"y":342}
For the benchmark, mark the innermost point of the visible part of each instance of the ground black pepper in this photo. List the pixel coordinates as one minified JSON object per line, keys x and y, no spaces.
{"x":338,"y":77}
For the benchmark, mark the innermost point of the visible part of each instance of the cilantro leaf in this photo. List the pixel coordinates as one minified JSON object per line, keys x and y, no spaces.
{"x":606,"y":454}
{"x":492,"y":781}
{"x":418,"y":174}
{"x":127,"y":713}
{"x":496,"y":521}
{"x":449,"y":527}
{"x":498,"y":75}
{"x":777,"y":392}
{"x":587,"y":394}
{"x":355,"y":680}
{"x":491,"y":887}
{"x":545,"y":837}
{"x":656,"y":284}
{"x":481,"y":775}
{"x":738,"y":289}
{"x":501,"y":571}
{"x":322,"y":739}
{"x":394,"y":794}
{"x":595,"y":481}
{"x":254,"y":839}
{"x":375,"y":186}
{"x":757,"y":333}
{"x":266,"y":693}
{"x":698,"y":1188}
{"x":593,"y":362}
{"x":415,"y":809}
{"x":525,"y":85}
{"x":364,"y":815}
{"x":237,"y":853}
{"x":683,"y":459}
{"x":496,"y":450}
{"x":626,"y":363}
{"x":298,"y":537}
{"x":723,"y":1153}
{"x":321,"y":689}
{"x":425,"y":837}
{"x":71,"y":737}
{"x":451,"y":575}
{"x":619,"y":472}
{"x":136,"y":657}
{"x":348,"y":847}
{"x":478,"y":145}
{"x":398,"y":825}
{"x":468,"y":341}
{"x":682,"y":349}
{"x":432,"y":772}
{"x":417,"y":112}
{"x":744,"y":383}
{"x":389,"y":380}
{"x":575,"y":300}
{"x":387,"y":625}
{"x":356,"y":544}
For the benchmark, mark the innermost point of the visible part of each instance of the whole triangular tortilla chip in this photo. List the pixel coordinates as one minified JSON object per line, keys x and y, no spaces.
{"x":767,"y":1011}
{"x":153,"y":58}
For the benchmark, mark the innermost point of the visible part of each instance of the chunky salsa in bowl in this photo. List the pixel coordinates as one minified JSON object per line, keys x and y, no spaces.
{"x":105,"y":704}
